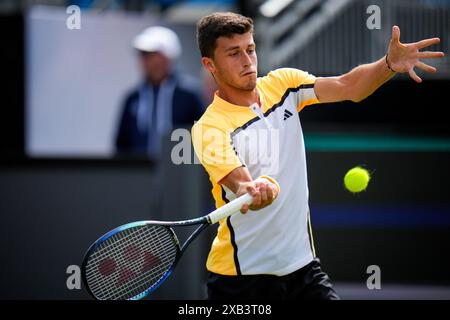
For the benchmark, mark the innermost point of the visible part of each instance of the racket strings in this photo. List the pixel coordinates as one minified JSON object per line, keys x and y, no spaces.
{"x":140,"y":282}
{"x":116,"y":291}
{"x":130,"y":262}
{"x":160,"y":268}
{"x":120,"y":245}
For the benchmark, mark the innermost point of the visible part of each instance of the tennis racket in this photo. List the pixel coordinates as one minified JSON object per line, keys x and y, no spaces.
{"x":132,"y":260}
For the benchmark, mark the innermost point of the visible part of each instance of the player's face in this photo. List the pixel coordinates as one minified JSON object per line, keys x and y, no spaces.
{"x":235,"y":62}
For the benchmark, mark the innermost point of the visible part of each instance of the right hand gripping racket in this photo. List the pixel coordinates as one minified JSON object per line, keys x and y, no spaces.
{"x":133,"y":260}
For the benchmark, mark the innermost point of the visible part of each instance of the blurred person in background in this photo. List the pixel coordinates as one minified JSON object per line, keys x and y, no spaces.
{"x":164,"y":101}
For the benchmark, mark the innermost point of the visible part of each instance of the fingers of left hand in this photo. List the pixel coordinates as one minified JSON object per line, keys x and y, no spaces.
{"x":413,"y":75}
{"x":427,"y":42}
{"x":430,"y":54}
{"x":425,"y":67}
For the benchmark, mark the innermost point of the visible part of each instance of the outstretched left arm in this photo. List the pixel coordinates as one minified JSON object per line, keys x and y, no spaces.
{"x":363,"y":80}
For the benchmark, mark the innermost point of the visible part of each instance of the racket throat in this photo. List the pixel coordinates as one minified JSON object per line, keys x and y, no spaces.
{"x":193,"y":236}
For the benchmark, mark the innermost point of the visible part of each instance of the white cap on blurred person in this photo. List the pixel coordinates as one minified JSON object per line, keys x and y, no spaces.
{"x":158,"y":39}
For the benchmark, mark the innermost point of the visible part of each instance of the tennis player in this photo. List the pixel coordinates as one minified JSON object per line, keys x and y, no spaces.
{"x":250,"y":140}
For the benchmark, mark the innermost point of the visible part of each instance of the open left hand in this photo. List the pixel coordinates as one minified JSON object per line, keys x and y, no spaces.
{"x":403,"y":57}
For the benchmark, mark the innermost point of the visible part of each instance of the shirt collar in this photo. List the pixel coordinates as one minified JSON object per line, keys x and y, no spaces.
{"x":218,"y":101}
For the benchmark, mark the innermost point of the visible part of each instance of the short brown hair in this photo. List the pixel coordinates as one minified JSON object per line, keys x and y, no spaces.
{"x":220,"y":24}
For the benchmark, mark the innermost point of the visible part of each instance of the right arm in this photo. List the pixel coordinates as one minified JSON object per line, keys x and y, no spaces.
{"x":263,"y":190}
{"x":215,"y":151}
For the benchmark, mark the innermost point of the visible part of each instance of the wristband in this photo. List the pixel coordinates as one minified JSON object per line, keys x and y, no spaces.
{"x":387,"y":62}
{"x":271,"y":180}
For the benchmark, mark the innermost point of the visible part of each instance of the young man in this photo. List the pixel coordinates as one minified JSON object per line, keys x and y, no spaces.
{"x":250,"y":140}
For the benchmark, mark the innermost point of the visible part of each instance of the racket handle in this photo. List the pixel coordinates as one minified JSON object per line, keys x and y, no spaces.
{"x":229,"y":208}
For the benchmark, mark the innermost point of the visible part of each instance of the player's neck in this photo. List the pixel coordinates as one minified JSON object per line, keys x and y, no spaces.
{"x":238,"y":96}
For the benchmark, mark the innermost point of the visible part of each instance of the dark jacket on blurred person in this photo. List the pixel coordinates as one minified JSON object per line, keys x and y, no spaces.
{"x":142,"y":125}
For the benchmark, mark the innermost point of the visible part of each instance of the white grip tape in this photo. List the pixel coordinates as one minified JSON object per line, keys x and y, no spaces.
{"x":230,"y":208}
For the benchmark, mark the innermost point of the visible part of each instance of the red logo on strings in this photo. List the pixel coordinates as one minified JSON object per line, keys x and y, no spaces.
{"x":130,"y":255}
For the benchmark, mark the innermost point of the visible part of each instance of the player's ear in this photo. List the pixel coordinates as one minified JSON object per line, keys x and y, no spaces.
{"x":208,"y":63}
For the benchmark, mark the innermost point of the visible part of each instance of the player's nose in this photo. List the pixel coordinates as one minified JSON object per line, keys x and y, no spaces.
{"x":246,"y":60}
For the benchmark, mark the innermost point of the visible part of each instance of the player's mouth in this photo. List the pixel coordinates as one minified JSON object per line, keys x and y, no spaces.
{"x":248,"y":73}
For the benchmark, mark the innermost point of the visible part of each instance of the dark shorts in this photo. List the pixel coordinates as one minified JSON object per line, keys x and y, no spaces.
{"x":309,"y":282}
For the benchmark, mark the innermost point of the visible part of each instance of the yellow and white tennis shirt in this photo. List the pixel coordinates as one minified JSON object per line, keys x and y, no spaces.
{"x":268,"y":140}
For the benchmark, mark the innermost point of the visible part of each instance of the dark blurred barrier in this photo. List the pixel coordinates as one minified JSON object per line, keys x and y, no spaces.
{"x":52,"y":211}
{"x":401,"y":223}
{"x":398,"y":107}
{"x":12,"y":85}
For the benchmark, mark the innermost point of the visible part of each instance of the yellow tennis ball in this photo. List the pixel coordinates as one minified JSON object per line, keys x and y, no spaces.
{"x":356,"y":179}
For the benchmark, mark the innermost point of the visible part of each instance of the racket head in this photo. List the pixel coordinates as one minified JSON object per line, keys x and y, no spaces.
{"x":130,"y":261}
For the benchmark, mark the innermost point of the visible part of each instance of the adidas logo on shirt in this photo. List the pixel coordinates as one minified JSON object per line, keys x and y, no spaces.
{"x":287,"y":114}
